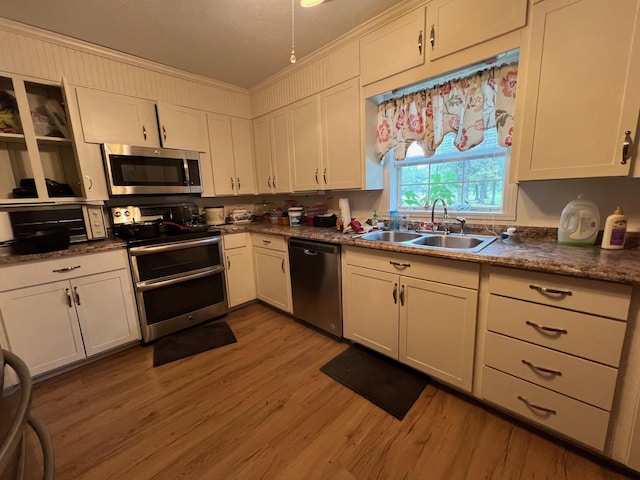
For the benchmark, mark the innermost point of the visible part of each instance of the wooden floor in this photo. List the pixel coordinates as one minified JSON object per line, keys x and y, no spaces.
{"x":261,"y":409}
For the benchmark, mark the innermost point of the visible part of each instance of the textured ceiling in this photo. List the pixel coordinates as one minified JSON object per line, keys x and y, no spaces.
{"x":241,"y":42}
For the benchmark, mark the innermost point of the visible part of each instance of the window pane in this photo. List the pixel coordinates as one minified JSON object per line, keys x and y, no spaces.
{"x":485,"y":169}
{"x":413,"y":196}
{"x":481,"y":195}
{"x":447,"y":172}
{"x":415,"y":174}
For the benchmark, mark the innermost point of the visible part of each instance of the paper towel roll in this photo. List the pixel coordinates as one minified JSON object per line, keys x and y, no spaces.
{"x":345,"y":210}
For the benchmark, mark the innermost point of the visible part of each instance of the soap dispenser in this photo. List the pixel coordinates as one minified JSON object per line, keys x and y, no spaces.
{"x":615,"y":230}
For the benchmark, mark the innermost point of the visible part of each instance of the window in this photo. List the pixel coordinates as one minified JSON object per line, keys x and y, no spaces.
{"x":474,"y":182}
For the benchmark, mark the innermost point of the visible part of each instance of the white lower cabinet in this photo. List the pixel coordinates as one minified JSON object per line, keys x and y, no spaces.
{"x":271,"y":262}
{"x":241,"y":285}
{"x":413,"y":316}
{"x":551,"y":350}
{"x":56,"y":323}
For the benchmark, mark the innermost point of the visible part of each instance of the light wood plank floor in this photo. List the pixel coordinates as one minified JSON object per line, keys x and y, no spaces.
{"x":261,"y":409}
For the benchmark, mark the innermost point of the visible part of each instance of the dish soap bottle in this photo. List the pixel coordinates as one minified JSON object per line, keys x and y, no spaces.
{"x":579,"y":223}
{"x":615,"y":230}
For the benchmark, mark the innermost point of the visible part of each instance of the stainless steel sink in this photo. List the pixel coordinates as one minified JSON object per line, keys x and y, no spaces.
{"x":467,"y":243}
{"x":390,"y":236}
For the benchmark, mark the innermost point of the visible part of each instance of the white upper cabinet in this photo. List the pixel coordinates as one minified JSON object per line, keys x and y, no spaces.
{"x":393,"y":48}
{"x":113,"y":118}
{"x":40,"y":158}
{"x":453,"y":25}
{"x":342,"y":160}
{"x":325,"y":139}
{"x":306,"y":151}
{"x":579,"y":94}
{"x":231,"y":150}
{"x":271,"y":147}
{"x":182,"y":127}
{"x":280,"y":166}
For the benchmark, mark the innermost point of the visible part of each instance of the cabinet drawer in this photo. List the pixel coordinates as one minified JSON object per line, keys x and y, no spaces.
{"x":38,"y":272}
{"x":569,"y":417}
{"x":590,"y":296}
{"x":234,"y":240}
{"x":441,"y":270}
{"x":587,"y":336}
{"x":271,"y":242}
{"x":581,"y":379}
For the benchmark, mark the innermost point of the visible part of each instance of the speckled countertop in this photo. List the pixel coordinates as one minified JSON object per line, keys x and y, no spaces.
{"x":539,"y":253}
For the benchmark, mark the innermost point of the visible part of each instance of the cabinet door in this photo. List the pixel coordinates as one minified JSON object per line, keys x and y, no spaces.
{"x":112,"y":118}
{"x":92,"y":173}
{"x":454,"y":25}
{"x":437,"y":330}
{"x":105,"y":306}
{"x":342,"y":148}
{"x":221,"y":152}
{"x":182,"y":127}
{"x":371,"y":303}
{"x":273,"y":284}
{"x":241,"y":285}
{"x":304,"y":129}
{"x":574,"y":114}
{"x":42,"y":326}
{"x":280,"y":165}
{"x":242,"y":138}
{"x":262,"y":149}
{"x":393,"y":48}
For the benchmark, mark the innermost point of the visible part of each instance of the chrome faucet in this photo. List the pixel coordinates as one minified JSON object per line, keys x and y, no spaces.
{"x":462,"y":221}
{"x":433,"y":209}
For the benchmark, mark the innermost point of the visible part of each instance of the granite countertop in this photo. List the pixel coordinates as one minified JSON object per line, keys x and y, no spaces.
{"x":74,"y":249}
{"x":539,"y":254}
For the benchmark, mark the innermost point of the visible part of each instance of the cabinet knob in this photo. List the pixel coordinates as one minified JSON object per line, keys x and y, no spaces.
{"x":626,"y":147}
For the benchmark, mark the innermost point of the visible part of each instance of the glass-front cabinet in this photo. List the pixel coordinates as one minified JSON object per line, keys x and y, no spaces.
{"x":38,"y":162}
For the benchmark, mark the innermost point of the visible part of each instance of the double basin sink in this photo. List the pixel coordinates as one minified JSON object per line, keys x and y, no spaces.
{"x":467,"y":243}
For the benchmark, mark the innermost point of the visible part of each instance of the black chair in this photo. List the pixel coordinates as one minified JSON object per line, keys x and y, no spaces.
{"x":15,"y":406}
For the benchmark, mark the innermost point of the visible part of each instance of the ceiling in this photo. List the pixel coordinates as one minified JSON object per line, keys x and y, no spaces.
{"x":241,"y":42}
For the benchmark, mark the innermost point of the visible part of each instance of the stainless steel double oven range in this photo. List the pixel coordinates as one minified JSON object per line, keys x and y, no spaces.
{"x":177,"y":267}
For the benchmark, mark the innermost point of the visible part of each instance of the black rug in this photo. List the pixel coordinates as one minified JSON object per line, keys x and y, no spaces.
{"x":192,"y":341}
{"x":381,"y":380}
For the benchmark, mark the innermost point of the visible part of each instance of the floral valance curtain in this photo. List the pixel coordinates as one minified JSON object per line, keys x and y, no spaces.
{"x":466,"y":106}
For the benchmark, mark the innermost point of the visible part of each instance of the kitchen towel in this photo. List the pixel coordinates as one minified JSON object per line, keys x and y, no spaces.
{"x":384,"y":382}
{"x":345,"y":210}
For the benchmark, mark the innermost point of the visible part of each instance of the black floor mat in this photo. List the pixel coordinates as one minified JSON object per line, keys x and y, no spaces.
{"x":381,"y":380}
{"x":192,"y":341}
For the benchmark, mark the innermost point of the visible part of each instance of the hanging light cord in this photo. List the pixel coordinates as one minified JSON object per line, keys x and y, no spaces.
{"x":292,"y":58}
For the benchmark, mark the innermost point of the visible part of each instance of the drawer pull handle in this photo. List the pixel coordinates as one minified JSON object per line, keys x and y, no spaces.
{"x":266,"y":242}
{"x":533,"y":406}
{"x":69,"y":301}
{"x":546,"y":329}
{"x":399,"y":265}
{"x":395,"y":293}
{"x":77,"y":295}
{"x":550,"y":291}
{"x":65,"y":269}
{"x":541,"y":369}
{"x":402,"y":296}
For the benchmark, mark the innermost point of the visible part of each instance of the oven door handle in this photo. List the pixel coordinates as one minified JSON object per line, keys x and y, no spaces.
{"x":168,"y":247}
{"x":154,"y":284}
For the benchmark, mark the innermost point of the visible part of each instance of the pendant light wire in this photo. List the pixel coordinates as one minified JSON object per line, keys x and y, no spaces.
{"x":292,"y":58}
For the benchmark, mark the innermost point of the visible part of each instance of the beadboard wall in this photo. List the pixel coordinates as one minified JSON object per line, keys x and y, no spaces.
{"x":46,"y":56}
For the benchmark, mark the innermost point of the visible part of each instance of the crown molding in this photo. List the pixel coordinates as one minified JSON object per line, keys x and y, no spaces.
{"x":107,"y":53}
{"x":403,"y":7}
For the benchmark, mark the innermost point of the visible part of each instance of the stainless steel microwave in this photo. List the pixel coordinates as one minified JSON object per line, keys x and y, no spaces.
{"x":159,"y":171}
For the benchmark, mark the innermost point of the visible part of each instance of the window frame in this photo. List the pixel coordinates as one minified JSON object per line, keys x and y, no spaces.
{"x":510,"y":193}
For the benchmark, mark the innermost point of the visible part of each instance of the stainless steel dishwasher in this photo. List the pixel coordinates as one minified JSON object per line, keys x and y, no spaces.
{"x":316,"y":284}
